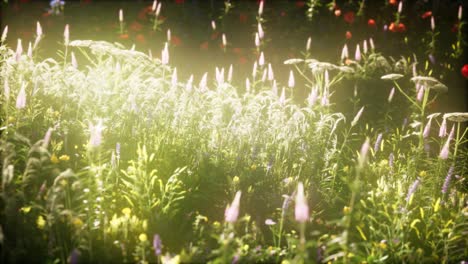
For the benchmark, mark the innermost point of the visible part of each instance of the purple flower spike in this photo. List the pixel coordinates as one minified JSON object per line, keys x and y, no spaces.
{"x":157,"y":245}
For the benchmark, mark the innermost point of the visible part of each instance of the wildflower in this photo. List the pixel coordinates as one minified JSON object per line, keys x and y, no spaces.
{"x":21,"y":99}
{"x":282,"y":99}
{"x":348,"y":35}
{"x":412,"y":189}
{"x":203,"y":81}
{"x":165,"y":54}
{"x":270,"y":222}
{"x":29,"y":50}
{"x":444,"y":152}
{"x":19,"y":50}
{"x":349,"y":17}
{"x":371,"y":43}
{"x":247,"y":85}
{"x":224,"y":40}
{"x":73,"y":60}
{"x":46,"y":140}
{"x":157,"y":245}
{"x":254,"y":70}
{"x":446,"y":185}
{"x":443,"y":128}
{"x":309,"y":42}
{"x":346,"y":210}
{"x":40,"y":222}
{"x":460,"y":11}
{"x":363,"y":153}
{"x":400,"y":7}
{"x":357,"y":55}
{"x":143,"y":237}
{"x":232,"y":211}
{"x":432,"y":23}
{"x":420,"y":93}
{"x":77,"y":222}
{"x":271,"y":75}
{"x":229,"y":77}
{"x":4,"y":34}
{"x":464,"y":70}
{"x":426,"y":14}
{"x":188,"y":85}
{"x":344,"y":52}
{"x":64,"y":158}
{"x":66,"y":35}
{"x":158,"y":9}
{"x":301,"y":210}
{"x":54,"y":159}
{"x":121,"y":18}
{"x":291,"y":81}
{"x":427,"y":129}
{"x":261,"y":59}
{"x":260,"y":8}
{"x":95,"y":133}
{"x":257,"y":40}
{"x":457,"y":117}
{"x":174,"y":78}
{"x":261,"y":33}
{"x":126,"y":211}
{"x":392,"y":2}
{"x":377,"y":142}
{"x":74,"y":257}
{"x":364,"y":46}
{"x":337,"y":12}
{"x":371,"y":23}
{"x":391,"y":94}
{"x":358,"y":115}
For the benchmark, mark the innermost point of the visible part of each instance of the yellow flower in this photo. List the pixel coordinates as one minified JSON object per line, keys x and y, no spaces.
{"x":64,"y":158}
{"x":54,"y":159}
{"x":383,"y":244}
{"x":346,"y":210}
{"x":41,"y":222}
{"x":422,"y":174}
{"x":126,"y":211}
{"x":235,"y":180}
{"x":77,"y":222}
{"x":253,"y":167}
{"x":345,"y":169}
{"x":26,"y":209}
{"x":143,"y":237}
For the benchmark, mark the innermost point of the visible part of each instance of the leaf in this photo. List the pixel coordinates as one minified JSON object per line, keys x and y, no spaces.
{"x":361,"y":233}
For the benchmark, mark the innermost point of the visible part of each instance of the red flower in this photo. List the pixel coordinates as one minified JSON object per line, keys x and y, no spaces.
{"x":243,"y":18}
{"x":464,"y":70}
{"x":214,"y":35}
{"x":123,"y":36}
{"x":204,"y":45}
{"x":426,"y":15}
{"x":237,"y":51}
{"x":401,"y":27}
{"x":337,"y":12}
{"x":371,"y":22}
{"x":140,"y":38}
{"x":242,"y":60}
{"x":349,"y":17}
{"x":392,"y":2}
{"x":392,"y":27}
{"x":175,"y":41}
{"x":348,"y":35}
{"x":135,"y":26}
{"x":300,"y":4}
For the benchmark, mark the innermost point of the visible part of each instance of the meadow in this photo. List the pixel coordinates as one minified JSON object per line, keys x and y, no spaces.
{"x":110,"y":154}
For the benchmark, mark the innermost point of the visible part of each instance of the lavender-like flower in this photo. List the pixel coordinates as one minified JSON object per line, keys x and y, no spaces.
{"x":282,"y":99}
{"x":174,"y":78}
{"x":232,"y":211}
{"x":21,"y":99}
{"x":291,"y":81}
{"x":165,"y":55}
{"x":6,"y":90}
{"x":261,"y":59}
{"x":66,"y":35}
{"x":357,"y":55}
{"x":363,"y":154}
{"x":271,"y":75}
{"x":413,"y":189}
{"x":377,"y":142}
{"x":427,"y":129}
{"x":157,"y":245}
{"x":446,"y":185}
{"x":4,"y":34}
{"x":95,"y":134}
{"x":344,"y":52}
{"x":391,"y":158}
{"x":309,"y":42}
{"x":19,"y":50}
{"x":443,"y":128}
{"x":229,"y":77}
{"x":391,"y":94}
{"x":203,"y":81}
{"x":46,"y":140}
{"x":358,"y":115}
{"x":301,"y":210}
{"x":364,"y":46}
